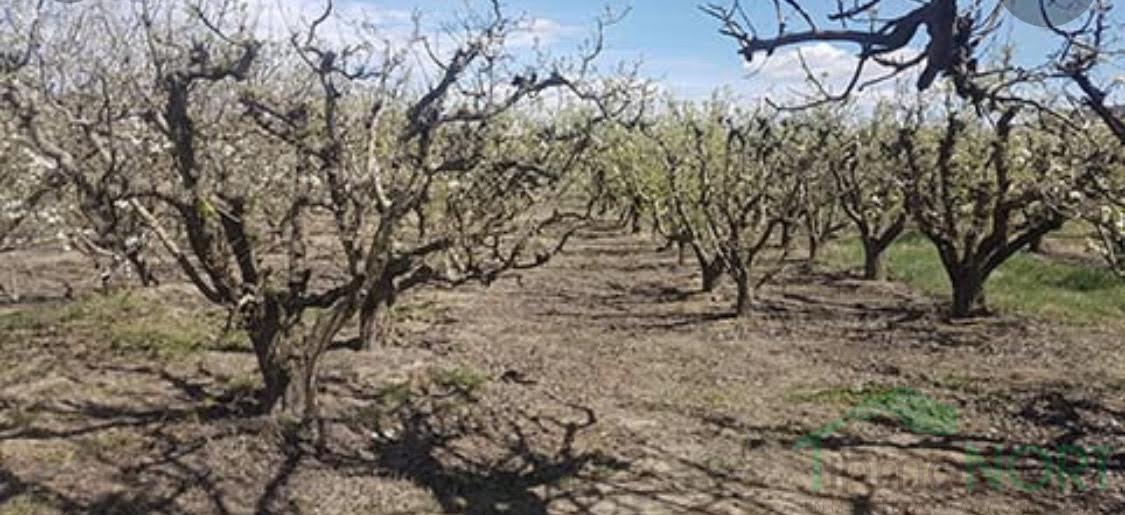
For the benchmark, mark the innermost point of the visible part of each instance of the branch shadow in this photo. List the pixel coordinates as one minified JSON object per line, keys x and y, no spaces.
{"x":144,"y":449}
{"x":479,"y":460}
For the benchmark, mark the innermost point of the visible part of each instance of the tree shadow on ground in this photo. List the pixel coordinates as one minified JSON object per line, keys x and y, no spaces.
{"x":849,"y":312}
{"x":1074,"y":419}
{"x":471,"y":458}
{"x":155,"y":455}
{"x":199,"y":403}
{"x":476,"y":458}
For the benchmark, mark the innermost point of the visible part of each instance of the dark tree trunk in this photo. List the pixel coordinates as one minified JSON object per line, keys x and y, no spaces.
{"x":712,"y":273}
{"x":786,"y":235}
{"x":288,"y":379}
{"x":873,"y":268}
{"x":293,"y":392}
{"x":142,"y":269}
{"x":1036,"y":244}
{"x":874,"y":248}
{"x":711,"y":270}
{"x":288,"y":376}
{"x":635,"y":219}
{"x":374,"y":325}
{"x":814,"y":246}
{"x":968,"y":292}
{"x":742,"y":303}
{"x":420,"y":213}
{"x":276,"y":379}
{"x":741,"y":278}
{"x":374,"y":314}
{"x":596,"y":202}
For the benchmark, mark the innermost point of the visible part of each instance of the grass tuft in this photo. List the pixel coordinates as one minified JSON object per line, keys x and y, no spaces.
{"x":841,"y":396}
{"x":136,"y":321}
{"x":1026,"y":284}
{"x":463,"y":379}
{"x":27,"y":504}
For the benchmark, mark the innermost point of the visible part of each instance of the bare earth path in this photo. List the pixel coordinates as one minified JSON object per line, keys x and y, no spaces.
{"x":601,"y":383}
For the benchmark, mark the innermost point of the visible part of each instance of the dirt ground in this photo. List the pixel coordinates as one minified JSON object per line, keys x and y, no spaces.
{"x":601,"y":383}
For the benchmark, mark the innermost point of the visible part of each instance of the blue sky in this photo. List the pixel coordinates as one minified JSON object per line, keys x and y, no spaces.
{"x":681,"y":46}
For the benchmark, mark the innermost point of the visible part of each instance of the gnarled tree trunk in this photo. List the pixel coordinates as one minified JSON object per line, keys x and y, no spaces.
{"x":968,"y":292}
{"x":287,"y":361}
{"x":266,"y":323}
{"x":786,"y":235}
{"x":374,"y":314}
{"x":875,"y":246}
{"x":814,"y":246}
{"x":286,"y":374}
{"x":711,"y":270}
{"x":374,"y":324}
{"x":635,"y":217}
{"x":741,"y":274}
{"x":873,"y":267}
{"x":290,"y":384}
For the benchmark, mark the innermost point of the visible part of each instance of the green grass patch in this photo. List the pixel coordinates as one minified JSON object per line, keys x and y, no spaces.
{"x":423,"y":311}
{"x":839,"y":396}
{"x":394,"y":395}
{"x":462,"y":379}
{"x":134,"y":321}
{"x":1026,"y":284}
{"x":450,"y":390}
{"x":958,"y":382}
{"x":27,"y":504}
{"x":904,"y":407}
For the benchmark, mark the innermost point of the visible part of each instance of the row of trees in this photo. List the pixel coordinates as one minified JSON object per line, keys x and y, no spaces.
{"x":727,"y":183}
{"x":935,"y":39}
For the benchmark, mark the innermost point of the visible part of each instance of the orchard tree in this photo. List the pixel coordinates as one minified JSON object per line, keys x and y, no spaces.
{"x":818,"y":205}
{"x":26,"y":189}
{"x":1084,"y":51}
{"x":282,"y":174}
{"x":1108,"y":220}
{"x":480,"y":158}
{"x":1109,"y":227}
{"x":627,"y":178}
{"x":686,"y":149}
{"x":1102,"y":191}
{"x":868,"y":181}
{"x":635,"y":174}
{"x":955,"y":36}
{"x":26,"y":184}
{"x":637,"y":167}
{"x":982,"y":191}
{"x":726,"y":175}
{"x":71,"y":107}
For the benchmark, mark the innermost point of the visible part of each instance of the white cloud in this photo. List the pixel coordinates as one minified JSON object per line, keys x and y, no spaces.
{"x":782,"y":78}
{"x":829,"y":62}
{"x":280,"y":18}
{"x":542,"y":32}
